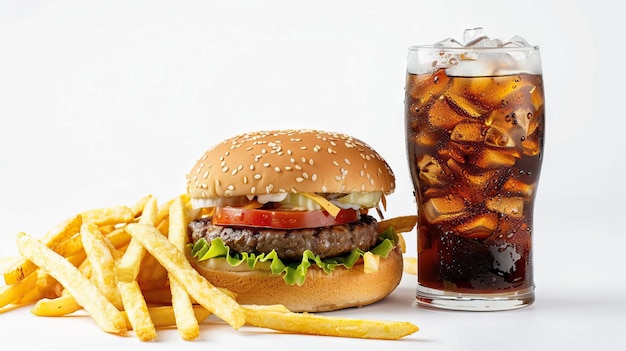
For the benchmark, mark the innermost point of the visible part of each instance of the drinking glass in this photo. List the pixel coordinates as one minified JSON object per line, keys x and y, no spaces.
{"x":474,"y":116}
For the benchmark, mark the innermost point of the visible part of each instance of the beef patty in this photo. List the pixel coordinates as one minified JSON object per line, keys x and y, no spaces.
{"x":291,"y":244}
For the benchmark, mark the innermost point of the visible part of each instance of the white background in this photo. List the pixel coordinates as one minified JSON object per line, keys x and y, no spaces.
{"x":103,"y":102}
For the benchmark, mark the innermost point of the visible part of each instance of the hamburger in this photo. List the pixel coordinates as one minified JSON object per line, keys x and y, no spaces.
{"x":285,"y":220}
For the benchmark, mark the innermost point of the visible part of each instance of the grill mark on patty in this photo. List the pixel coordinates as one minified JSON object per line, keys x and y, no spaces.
{"x":290,"y":244}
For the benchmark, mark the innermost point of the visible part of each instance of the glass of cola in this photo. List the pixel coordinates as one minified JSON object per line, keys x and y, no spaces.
{"x":474,"y":116}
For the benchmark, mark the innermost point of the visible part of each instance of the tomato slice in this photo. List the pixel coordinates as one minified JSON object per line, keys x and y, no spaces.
{"x":281,"y":219}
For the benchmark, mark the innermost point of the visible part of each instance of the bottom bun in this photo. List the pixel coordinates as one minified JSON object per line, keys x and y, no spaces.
{"x":342,"y":288}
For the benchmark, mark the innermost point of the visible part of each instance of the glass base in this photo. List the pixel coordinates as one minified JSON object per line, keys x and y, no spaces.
{"x":440,"y":299}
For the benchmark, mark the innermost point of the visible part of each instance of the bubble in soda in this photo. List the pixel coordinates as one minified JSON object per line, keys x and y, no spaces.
{"x":475,"y":129}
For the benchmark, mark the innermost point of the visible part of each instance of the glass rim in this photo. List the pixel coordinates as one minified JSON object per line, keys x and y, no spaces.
{"x":473,"y":49}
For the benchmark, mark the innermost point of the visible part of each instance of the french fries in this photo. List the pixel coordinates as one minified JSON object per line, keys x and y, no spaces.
{"x":23,"y":268}
{"x":57,"y":307}
{"x":101,"y":262}
{"x":126,"y":267}
{"x":137,"y":310}
{"x":86,"y":293}
{"x":307,"y":323}
{"x":186,"y":322}
{"x":410,"y":265}
{"x":196,"y":285}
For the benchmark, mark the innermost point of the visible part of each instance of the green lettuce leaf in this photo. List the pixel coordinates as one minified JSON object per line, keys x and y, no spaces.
{"x":292,"y":272}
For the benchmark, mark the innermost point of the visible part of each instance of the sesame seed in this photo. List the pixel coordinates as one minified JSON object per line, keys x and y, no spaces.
{"x":252,"y":167}
{"x":347,"y":161}
{"x":206,"y":175}
{"x":305,"y":175}
{"x":338,"y":178}
{"x":311,"y":162}
{"x":252,"y":190}
{"x":288,"y":168}
{"x":316,"y":148}
{"x":303,"y":147}
{"x":277,"y":169}
{"x":263,"y":151}
{"x":245,"y":179}
{"x":269,"y":188}
{"x":324,"y":190}
{"x":298,"y":167}
{"x":299,"y":179}
{"x":331,"y":151}
{"x":225,"y":169}
{"x":336,"y":163}
{"x":231,"y":187}
{"x":257,"y":176}
{"x":314,"y":177}
{"x":266,"y":164}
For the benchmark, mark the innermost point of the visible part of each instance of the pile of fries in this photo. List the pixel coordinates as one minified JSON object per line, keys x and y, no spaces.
{"x":126,"y":267}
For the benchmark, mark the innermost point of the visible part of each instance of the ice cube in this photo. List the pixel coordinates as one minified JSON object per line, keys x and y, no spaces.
{"x":531,"y":146}
{"x":474,"y":186}
{"x":442,"y":115}
{"x":428,"y":137}
{"x":510,"y":206}
{"x":478,"y":227}
{"x":518,"y":188}
{"x":423,"y":89}
{"x":442,"y":209}
{"x":448,"y":43}
{"x":468,"y":132}
{"x":459,"y":152}
{"x":517,"y":42}
{"x":431,"y":171}
{"x":491,"y":159}
{"x":471,"y":35}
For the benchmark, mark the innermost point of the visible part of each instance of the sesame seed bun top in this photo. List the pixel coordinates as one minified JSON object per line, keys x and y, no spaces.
{"x":279,"y":161}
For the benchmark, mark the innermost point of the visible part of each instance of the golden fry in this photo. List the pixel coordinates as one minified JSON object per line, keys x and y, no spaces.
{"x":57,"y":307}
{"x":401,"y":224}
{"x":23,"y":268}
{"x":137,"y":310}
{"x":102,"y":262}
{"x":179,"y":267}
{"x":307,"y":323}
{"x":11,"y":293}
{"x":119,"y":239}
{"x":163,"y":316}
{"x":139,"y":206}
{"x":108,"y":215}
{"x":410,"y":265}
{"x":86,"y":293}
{"x":270,"y":308}
{"x":70,"y":246}
{"x":181,"y":302}
{"x":370,"y":262}
{"x":127,"y":268}
{"x":45,"y":287}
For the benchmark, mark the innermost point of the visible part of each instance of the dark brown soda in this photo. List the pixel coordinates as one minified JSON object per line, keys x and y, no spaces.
{"x":475,"y":147}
